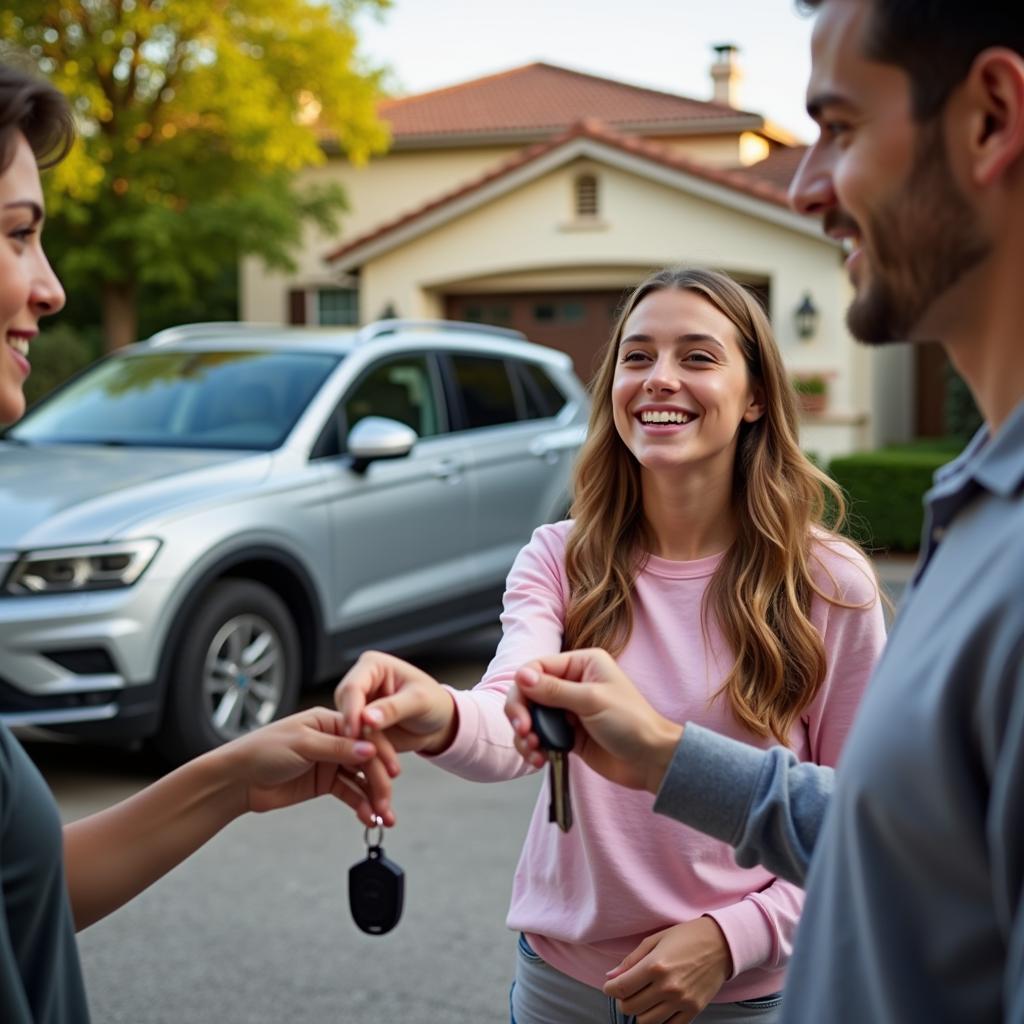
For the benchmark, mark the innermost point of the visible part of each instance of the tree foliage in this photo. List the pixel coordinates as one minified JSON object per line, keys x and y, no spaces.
{"x":195,"y":116}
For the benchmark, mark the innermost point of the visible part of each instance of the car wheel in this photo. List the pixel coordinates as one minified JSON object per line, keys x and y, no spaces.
{"x":236,"y":667}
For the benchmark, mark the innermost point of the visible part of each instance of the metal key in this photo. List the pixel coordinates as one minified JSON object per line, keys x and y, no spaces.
{"x":556,"y":740}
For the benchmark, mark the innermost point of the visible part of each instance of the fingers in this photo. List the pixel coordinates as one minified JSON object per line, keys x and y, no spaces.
{"x":389,"y":711}
{"x":631,"y":975}
{"x":544,"y":688}
{"x":348,"y":791}
{"x":373,"y":675}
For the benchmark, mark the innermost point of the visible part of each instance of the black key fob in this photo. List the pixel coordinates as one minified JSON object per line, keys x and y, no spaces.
{"x":376,"y":891}
{"x":552,"y":728}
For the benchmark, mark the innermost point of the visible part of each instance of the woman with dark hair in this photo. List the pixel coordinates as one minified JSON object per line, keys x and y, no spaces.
{"x":697,"y":555}
{"x":51,"y":883}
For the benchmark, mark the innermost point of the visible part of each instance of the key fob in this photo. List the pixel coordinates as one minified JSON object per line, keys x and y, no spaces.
{"x":376,"y":891}
{"x":552,"y":728}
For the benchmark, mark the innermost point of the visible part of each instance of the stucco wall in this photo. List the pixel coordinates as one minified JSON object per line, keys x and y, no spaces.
{"x":379,"y":191}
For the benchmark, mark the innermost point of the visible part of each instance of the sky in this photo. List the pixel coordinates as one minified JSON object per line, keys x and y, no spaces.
{"x":661,"y":44}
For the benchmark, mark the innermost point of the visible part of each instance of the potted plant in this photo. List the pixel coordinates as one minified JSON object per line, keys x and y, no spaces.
{"x":811,"y":391}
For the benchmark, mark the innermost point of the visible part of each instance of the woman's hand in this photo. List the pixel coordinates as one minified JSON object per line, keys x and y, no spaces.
{"x":383,"y":694}
{"x":673,"y":974}
{"x":618,"y":733}
{"x":307,"y":755}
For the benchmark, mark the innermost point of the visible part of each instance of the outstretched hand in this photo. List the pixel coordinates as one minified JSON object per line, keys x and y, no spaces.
{"x":307,"y":755}
{"x":619,"y":735}
{"x":383,"y":694}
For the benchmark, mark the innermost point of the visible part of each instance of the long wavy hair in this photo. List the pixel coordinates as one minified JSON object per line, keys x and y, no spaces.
{"x":761,"y":592}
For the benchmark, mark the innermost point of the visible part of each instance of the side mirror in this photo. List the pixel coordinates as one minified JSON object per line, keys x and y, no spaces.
{"x":374,"y":438}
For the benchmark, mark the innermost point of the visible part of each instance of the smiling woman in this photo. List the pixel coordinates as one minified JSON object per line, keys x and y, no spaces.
{"x":35,"y":130}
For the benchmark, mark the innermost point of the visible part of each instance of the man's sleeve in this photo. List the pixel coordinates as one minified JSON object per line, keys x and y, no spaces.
{"x":765,"y":803}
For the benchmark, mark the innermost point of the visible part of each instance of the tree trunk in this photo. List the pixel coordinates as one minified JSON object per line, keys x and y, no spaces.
{"x":120,"y":314}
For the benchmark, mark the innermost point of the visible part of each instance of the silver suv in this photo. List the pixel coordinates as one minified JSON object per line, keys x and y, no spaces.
{"x":196,"y":528}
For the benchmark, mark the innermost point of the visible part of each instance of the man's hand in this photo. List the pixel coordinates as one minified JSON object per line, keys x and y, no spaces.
{"x":306,"y":755}
{"x":619,"y":734}
{"x":381,"y":693}
{"x":673,"y":974}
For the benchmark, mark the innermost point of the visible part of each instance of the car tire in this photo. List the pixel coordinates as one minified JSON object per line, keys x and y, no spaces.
{"x":236,"y":666}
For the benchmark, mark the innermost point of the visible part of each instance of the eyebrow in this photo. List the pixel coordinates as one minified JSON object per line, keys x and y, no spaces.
{"x":34,"y":207}
{"x":695,"y":338}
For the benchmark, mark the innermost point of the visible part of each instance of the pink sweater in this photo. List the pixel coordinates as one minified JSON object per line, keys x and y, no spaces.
{"x":587,"y":898}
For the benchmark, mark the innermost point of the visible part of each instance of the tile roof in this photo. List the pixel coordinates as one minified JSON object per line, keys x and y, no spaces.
{"x":544,"y":99}
{"x":778,"y":168}
{"x":741,"y":180}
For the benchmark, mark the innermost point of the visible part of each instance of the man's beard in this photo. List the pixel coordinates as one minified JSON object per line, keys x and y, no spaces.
{"x":923,"y":240}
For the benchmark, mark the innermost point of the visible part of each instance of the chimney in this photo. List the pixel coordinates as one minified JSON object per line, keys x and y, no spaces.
{"x":726,"y":74}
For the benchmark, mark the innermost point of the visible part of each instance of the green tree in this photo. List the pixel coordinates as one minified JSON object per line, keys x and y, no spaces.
{"x":195,"y":116}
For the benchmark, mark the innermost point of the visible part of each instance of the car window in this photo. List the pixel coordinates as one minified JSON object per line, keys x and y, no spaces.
{"x":399,"y":389}
{"x":486,"y":391}
{"x":541,"y":396}
{"x":228,"y":399}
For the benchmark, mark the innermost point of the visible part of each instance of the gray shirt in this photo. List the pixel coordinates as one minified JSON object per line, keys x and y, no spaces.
{"x":915,"y":892}
{"x":40,"y":976}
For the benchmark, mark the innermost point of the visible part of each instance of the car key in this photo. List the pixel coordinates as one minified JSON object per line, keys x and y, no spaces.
{"x":376,"y":888}
{"x":556,"y":740}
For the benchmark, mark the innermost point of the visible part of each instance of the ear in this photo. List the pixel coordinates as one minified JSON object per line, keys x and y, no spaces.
{"x":994,"y":92}
{"x":755,"y":405}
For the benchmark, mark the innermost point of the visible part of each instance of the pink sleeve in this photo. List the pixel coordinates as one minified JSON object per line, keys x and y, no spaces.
{"x":761,"y":927}
{"x":532,"y":623}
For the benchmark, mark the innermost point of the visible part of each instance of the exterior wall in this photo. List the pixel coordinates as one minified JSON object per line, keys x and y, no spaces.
{"x":381,"y":190}
{"x":528,"y":238}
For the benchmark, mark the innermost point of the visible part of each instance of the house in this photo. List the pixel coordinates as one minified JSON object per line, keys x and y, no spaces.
{"x":536,"y":197}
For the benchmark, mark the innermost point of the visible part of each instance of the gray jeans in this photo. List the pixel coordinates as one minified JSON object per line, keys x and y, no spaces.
{"x":542,"y":995}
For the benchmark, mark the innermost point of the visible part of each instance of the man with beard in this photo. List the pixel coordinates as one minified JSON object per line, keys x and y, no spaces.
{"x":915,"y":890}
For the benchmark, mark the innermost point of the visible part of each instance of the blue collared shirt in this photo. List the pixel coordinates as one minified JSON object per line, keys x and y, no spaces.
{"x":915,"y":902}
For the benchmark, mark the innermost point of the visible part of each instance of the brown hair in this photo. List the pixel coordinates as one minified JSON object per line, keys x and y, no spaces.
{"x":761,"y":592}
{"x":936,"y":41}
{"x":32,"y":107}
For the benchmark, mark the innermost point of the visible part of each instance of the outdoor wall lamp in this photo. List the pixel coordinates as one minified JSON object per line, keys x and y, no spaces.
{"x":806,"y":318}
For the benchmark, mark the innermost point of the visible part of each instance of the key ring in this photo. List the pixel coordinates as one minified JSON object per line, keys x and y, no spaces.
{"x":378,"y":824}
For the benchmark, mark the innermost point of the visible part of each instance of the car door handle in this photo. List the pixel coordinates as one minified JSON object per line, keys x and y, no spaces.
{"x":542,"y":449}
{"x":448,"y":469}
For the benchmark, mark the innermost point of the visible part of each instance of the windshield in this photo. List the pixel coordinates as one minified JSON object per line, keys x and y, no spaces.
{"x":233,"y":399}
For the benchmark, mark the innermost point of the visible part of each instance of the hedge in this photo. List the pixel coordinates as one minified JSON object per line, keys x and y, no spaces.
{"x":885,"y":489}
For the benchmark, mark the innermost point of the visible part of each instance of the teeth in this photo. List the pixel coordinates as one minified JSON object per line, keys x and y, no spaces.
{"x":20,"y":345}
{"x":849,"y":245}
{"x":665,"y":417}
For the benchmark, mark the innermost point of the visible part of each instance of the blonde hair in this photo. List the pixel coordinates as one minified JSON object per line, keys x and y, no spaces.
{"x":761,"y":592}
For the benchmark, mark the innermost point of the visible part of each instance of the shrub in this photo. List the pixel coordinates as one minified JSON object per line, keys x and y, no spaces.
{"x":885,"y":491}
{"x":59,"y":353}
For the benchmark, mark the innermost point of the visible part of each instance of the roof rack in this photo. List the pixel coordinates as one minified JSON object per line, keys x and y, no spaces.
{"x":380,"y":328}
{"x":183,"y":332}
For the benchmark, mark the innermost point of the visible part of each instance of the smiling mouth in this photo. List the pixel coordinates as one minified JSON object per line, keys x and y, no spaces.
{"x":20,"y":345}
{"x":656,"y":417}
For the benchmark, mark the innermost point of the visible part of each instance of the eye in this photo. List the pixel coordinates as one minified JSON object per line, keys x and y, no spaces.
{"x":634,"y":356}
{"x":699,"y":357}
{"x":22,"y":235}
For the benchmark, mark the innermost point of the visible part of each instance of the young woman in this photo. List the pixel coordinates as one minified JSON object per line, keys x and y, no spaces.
{"x":697,"y":556}
{"x":50,"y":887}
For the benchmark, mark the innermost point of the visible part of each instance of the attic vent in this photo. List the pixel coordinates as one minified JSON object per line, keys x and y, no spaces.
{"x":586,"y":195}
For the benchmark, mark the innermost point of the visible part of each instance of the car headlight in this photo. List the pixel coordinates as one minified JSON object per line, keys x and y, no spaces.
{"x":74,"y":570}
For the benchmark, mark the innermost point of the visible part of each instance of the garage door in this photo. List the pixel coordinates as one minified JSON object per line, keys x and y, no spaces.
{"x":575,"y":322}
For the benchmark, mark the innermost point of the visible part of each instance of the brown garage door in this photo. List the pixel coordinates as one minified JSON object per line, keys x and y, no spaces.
{"x":575,"y":322}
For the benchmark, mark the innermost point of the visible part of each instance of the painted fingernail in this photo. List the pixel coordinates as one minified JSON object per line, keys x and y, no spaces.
{"x":529,"y":677}
{"x":364,"y":749}
{"x":373,"y":715}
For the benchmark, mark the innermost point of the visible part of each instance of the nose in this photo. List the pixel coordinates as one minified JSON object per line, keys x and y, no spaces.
{"x":812,"y":192}
{"x":47,"y":294}
{"x":662,"y":377}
